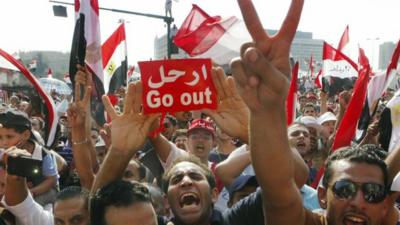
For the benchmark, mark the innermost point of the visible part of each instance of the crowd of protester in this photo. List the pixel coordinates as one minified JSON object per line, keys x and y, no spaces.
{"x":238,"y":164}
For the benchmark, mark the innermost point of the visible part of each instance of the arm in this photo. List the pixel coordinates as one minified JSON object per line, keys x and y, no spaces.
{"x":324,"y":98}
{"x":162,"y":146}
{"x":45,"y":186}
{"x":79,"y":121}
{"x":128,"y":134}
{"x":232,"y":167}
{"x":262,"y":74}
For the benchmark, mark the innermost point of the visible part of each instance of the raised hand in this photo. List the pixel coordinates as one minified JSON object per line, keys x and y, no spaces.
{"x":263,"y":72}
{"x":232,"y":114}
{"x":129,"y":129}
{"x":78,"y":111}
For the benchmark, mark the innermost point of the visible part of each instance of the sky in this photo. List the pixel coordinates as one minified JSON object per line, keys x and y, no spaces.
{"x":30,"y":24}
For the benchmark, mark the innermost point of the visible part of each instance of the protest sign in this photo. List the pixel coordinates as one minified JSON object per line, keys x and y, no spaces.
{"x":177,"y":85}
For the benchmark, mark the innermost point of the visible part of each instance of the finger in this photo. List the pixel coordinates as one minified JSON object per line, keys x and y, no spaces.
{"x":137,"y":104}
{"x":128,"y":104}
{"x":225,"y":86}
{"x":233,"y":88}
{"x":252,"y":21}
{"x":89,"y":76}
{"x":289,"y":25}
{"x":238,"y":73}
{"x":86,"y":97}
{"x":217,"y":83}
{"x":256,"y":64}
{"x":108,"y":107}
{"x":77,"y":92}
{"x":245,"y":46}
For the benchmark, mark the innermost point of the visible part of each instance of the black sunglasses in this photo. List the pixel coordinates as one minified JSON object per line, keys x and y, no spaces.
{"x":372,"y":192}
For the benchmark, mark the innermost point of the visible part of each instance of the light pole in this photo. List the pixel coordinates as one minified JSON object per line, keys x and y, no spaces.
{"x":168,"y":20}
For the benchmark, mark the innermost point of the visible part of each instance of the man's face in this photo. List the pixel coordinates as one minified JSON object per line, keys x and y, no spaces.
{"x":131,"y":172}
{"x":355,"y":210}
{"x":299,"y":138}
{"x":200,"y":143}
{"x":302,"y":102}
{"x":309,"y":111}
{"x":9,"y":137}
{"x":329,"y":127}
{"x":181,"y":142}
{"x":139,"y":213}
{"x":189,"y":193}
{"x":71,"y":211}
{"x":242,"y":193}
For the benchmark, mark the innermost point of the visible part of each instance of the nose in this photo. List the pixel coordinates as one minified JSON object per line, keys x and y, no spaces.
{"x":186,"y":181}
{"x":358,"y":200}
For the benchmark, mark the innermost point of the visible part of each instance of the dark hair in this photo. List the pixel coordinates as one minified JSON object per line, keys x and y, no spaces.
{"x":370,"y":154}
{"x":118,"y":194}
{"x":179,"y":132}
{"x":192,"y":159}
{"x":72,"y":192}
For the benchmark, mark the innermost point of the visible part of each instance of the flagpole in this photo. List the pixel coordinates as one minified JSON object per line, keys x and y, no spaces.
{"x":167,"y":19}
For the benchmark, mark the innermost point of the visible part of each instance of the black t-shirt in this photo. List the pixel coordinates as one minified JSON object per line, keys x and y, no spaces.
{"x":248,"y":211}
{"x":216,"y":219}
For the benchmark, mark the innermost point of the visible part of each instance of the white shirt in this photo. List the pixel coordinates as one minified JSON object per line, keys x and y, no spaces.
{"x":29,"y":212}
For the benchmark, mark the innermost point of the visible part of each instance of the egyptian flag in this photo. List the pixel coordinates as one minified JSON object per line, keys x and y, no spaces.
{"x":339,"y":72}
{"x":344,"y":40}
{"x":377,"y":86}
{"x":115,"y":61}
{"x":204,"y":36}
{"x":292,"y":96}
{"x":41,"y":101}
{"x":347,"y":127}
{"x":86,"y":50}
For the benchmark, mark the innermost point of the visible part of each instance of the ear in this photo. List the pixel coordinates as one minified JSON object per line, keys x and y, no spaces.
{"x":214,"y":195}
{"x":322,"y":197}
{"x":26,"y":135}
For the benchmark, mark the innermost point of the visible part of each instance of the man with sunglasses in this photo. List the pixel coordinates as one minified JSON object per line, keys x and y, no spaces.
{"x":356,"y":182}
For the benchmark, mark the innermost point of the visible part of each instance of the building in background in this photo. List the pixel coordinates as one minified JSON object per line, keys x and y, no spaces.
{"x":385,"y":53}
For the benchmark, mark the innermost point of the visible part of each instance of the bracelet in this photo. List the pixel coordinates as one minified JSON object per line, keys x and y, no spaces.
{"x":80,"y":142}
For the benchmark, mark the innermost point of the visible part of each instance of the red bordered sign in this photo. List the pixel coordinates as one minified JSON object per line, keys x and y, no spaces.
{"x":177,"y":85}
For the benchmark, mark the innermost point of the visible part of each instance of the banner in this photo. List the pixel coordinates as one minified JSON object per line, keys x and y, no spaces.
{"x":177,"y":85}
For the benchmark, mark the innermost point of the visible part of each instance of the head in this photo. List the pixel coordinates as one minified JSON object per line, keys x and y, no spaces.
{"x":311,"y":97}
{"x":241,"y":187}
{"x":201,"y":138}
{"x":309,"y":110}
{"x":191,"y":190}
{"x":327,"y":121}
{"x":15,"y":128}
{"x":135,"y":171}
{"x":355,"y":186}
{"x":180,"y":138}
{"x":302,"y":101}
{"x":94,"y":135}
{"x":314,"y":128}
{"x":71,"y":208}
{"x":14,"y":101}
{"x":36,"y":124}
{"x":114,"y":203}
{"x":299,"y":138}
{"x":169,"y":127}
